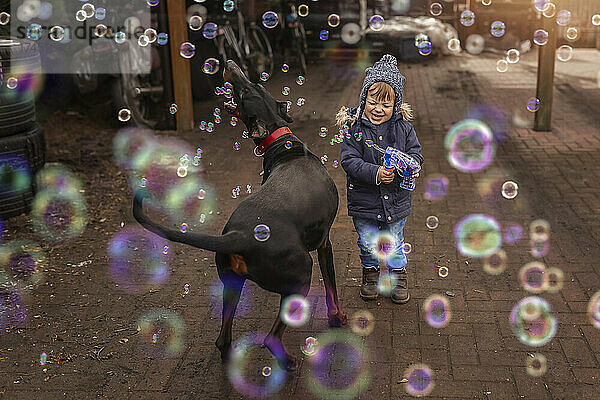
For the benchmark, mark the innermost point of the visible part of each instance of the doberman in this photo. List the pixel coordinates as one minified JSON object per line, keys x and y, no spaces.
{"x":298,"y":202}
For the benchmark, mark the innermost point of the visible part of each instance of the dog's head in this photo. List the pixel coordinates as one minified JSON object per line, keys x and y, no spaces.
{"x":254,"y":105}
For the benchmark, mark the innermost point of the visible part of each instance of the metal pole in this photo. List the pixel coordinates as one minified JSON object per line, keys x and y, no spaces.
{"x":545,"y":77}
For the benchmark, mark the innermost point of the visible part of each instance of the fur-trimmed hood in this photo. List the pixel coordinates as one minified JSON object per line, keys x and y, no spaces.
{"x":348,"y":116}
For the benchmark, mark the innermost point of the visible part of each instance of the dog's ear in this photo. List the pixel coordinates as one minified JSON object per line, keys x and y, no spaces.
{"x":282,"y":111}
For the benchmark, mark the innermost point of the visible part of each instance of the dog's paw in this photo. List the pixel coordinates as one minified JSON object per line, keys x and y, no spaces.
{"x":337,"y":319}
{"x":290,"y":364}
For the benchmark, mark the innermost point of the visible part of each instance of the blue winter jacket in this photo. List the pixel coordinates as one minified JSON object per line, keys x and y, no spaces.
{"x":384,"y":202}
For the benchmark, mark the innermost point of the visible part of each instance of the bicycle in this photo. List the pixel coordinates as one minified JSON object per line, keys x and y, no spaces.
{"x":252,"y":51}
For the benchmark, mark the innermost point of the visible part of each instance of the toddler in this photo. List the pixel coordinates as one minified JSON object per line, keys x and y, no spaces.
{"x":376,"y":202}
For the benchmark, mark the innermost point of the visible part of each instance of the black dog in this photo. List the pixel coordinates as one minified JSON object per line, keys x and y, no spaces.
{"x":298,"y":201}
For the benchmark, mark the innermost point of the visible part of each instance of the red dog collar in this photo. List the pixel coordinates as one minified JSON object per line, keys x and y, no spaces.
{"x":271,"y":138}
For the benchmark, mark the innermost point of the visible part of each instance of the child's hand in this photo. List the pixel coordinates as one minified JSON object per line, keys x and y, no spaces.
{"x":385,"y":176}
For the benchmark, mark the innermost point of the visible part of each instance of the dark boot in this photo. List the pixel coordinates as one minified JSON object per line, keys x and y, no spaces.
{"x":400,"y":293}
{"x":368,"y":289}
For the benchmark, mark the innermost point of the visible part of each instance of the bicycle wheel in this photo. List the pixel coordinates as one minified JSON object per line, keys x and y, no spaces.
{"x":261,"y":53}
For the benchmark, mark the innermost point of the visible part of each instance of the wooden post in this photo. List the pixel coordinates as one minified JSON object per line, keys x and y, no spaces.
{"x":545,"y":77}
{"x":180,"y":67}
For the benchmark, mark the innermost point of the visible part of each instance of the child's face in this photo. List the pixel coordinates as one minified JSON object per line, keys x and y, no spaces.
{"x":378,"y":111}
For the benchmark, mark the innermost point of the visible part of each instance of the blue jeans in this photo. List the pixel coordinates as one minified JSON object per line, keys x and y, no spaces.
{"x":367,"y":230}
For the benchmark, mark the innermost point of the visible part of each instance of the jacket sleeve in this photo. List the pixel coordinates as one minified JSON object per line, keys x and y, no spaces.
{"x":413,"y":147}
{"x":351,"y":157}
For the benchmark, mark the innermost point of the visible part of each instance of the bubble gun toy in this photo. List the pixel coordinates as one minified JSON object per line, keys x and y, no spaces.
{"x":394,"y":158}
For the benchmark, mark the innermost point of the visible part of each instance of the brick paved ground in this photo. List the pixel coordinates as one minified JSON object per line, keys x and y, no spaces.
{"x":475,"y":356}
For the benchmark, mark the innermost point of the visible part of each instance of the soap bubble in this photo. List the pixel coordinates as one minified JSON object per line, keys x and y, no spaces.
{"x":510,"y":190}
{"x":549,"y":10}
{"x":162,"y":38}
{"x":419,"y":380}
{"x":512,"y":233}
{"x":324,"y":34}
{"x":467,"y":18}
{"x":211,"y":66}
{"x":563,"y":17}
{"x":536,"y":364}
{"x":187,"y":50}
{"x":533,"y":322}
{"x":333,"y":20}
{"x":310,"y":346}
{"x":59,"y":216}
{"x":362,"y":323}
{"x":432,"y":222}
{"x":436,"y":9}
{"x":228,"y":5}
{"x":540,"y":37}
{"x":436,"y":187}
{"x":564,"y":53}
{"x":300,"y":80}
{"x":501,"y":65}
{"x":470,"y":145}
{"x":210,"y":30}
{"x":57,"y":33}
{"x":533,"y":277}
{"x":437,"y":311}
{"x":443,"y":271}
{"x":495,"y":264}
{"x":285,"y":67}
{"x":4,"y":18}
{"x":539,"y":229}
{"x":22,"y":264}
{"x":376,"y":22}
{"x":270,"y":19}
{"x":454,"y":45}
{"x":161,"y":334}
{"x":195,"y":22}
{"x":474,"y":44}
{"x":497,"y":28}
{"x":512,"y":56}
{"x":477,"y":235}
{"x":533,"y":104}
{"x":386,"y":283}
{"x":593,"y":310}
{"x":262,"y":232}
{"x":120,"y":37}
{"x":34,"y":32}
{"x":295,"y":310}
{"x":303,"y":10}
{"x":555,"y":280}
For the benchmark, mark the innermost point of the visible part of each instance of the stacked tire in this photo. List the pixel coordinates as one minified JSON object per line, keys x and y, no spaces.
{"x":22,"y":143}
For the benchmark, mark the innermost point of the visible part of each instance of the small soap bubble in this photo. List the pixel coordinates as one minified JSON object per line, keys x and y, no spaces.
{"x":540,"y":37}
{"x":264,"y":76}
{"x":536,"y":364}
{"x":419,"y":380}
{"x":183,"y":228}
{"x":80,"y":16}
{"x":12,"y":83}
{"x":285,"y":91}
{"x":211,"y":66}
{"x":324,"y":34}
{"x":262,"y":232}
{"x":443,"y":271}
{"x":285,"y":68}
{"x":436,"y":9}
{"x":549,"y":10}
{"x":454,"y":45}
{"x":310,"y":346}
{"x":124,"y":115}
{"x":432,"y":222}
{"x":266,"y":371}
{"x":228,"y":5}
{"x":533,"y":104}
{"x":195,"y":22}
{"x":143,"y":41}
{"x":248,"y":188}
{"x":120,"y":37}
{"x":295,"y":310}
{"x":210,"y":127}
{"x":162,"y":38}
{"x":165,"y":249}
{"x":386,"y":283}
{"x":152,"y":3}
{"x":437,"y":311}
{"x":467,"y":18}
{"x":596,"y":19}
{"x":362,"y":323}
{"x":288,"y":144}
{"x":495,"y":264}
{"x":217,"y":119}
{"x":57,"y":33}
{"x":376,"y":22}
{"x":501,"y":65}
{"x":510,"y":190}
{"x":233,"y":121}
{"x":303,"y":10}
{"x":335,"y":164}
{"x":300,"y":80}
{"x":497,"y":28}
{"x":187,"y":50}
{"x":186,"y":288}
{"x":512,"y":56}
{"x":323,"y":131}
{"x":43,"y":358}
{"x":300,"y":102}
{"x":34,"y":32}
{"x":270,"y":19}
{"x":4,"y":18}
{"x":182,"y":172}
{"x":173,"y":108}
{"x":563,"y":17}
{"x":210,"y":30}
{"x":564,"y":53}
{"x":333,"y":20}
{"x":151,"y":35}
{"x":406,"y":248}
{"x":236,"y":146}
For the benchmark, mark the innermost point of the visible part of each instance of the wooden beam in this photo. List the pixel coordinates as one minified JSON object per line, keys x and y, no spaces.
{"x":180,"y":67}
{"x":545,"y":77}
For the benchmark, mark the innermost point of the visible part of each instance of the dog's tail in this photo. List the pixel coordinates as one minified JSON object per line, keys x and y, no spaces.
{"x":229,"y":243}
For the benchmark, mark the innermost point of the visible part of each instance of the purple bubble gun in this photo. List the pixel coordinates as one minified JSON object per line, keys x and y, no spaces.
{"x":394,"y":158}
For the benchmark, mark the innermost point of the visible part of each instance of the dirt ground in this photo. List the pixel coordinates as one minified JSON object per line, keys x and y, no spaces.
{"x":87,"y":325}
